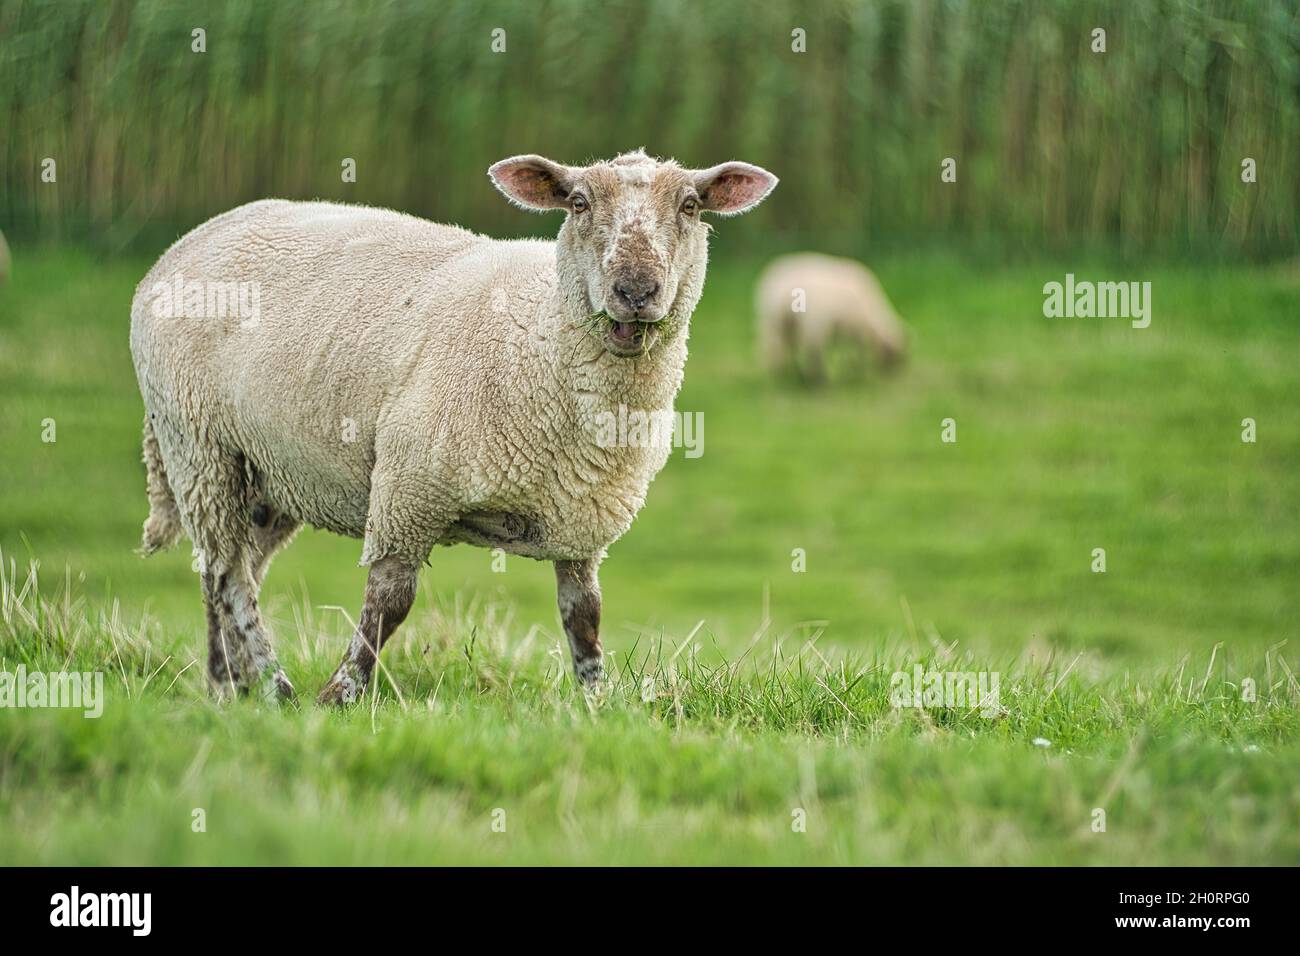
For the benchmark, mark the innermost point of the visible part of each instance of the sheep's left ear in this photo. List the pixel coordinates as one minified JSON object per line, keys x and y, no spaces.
{"x":533,"y":182}
{"x":733,"y":188}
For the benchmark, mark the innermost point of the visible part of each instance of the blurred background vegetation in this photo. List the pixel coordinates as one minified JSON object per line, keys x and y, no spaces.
{"x":1055,"y":145}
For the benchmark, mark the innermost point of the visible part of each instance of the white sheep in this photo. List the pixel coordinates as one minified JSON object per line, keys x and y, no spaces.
{"x":806,"y":302}
{"x":413,"y":384}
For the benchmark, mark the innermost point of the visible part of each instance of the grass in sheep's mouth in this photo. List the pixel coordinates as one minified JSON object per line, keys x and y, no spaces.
{"x":603,"y":321}
{"x":600,"y":323}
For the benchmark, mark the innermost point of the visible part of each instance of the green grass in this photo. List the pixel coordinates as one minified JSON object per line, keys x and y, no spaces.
{"x":974,"y":556}
{"x":687,"y":758}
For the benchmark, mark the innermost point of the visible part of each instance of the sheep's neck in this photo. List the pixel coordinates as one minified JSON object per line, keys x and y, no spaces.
{"x":591,"y":373}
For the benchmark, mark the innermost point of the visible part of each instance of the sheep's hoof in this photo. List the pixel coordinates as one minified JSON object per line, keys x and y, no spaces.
{"x":338,"y":692}
{"x":590,"y":672}
{"x":274,"y":688}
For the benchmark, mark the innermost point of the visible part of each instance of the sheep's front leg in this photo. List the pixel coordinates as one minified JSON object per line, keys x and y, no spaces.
{"x":390,"y":591}
{"x":578,"y":593}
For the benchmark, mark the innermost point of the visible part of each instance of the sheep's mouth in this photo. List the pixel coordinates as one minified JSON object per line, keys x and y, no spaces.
{"x":627,"y":339}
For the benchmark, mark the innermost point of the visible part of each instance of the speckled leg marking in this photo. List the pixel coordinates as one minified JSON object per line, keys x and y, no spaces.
{"x":229,"y":669}
{"x":214,"y":489}
{"x":390,"y":592}
{"x":225,"y":678}
{"x":244,"y":640}
{"x":578,"y":594}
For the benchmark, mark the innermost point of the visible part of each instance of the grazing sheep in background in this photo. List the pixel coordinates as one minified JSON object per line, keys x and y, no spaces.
{"x":805,"y":302}
{"x":413,"y":385}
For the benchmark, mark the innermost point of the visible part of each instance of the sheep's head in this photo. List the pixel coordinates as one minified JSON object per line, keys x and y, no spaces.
{"x":633,"y":248}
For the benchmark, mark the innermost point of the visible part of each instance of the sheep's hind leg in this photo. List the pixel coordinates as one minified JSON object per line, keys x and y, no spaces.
{"x":244,"y":639}
{"x":390,"y":592}
{"x":233,"y":662}
{"x":578,"y":595}
{"x":225,"y":670}
{"x":210,"y":485}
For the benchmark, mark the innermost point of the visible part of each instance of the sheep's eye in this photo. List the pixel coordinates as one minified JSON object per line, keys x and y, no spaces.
{"x":579,"y":203}
{"x":690,"y":207}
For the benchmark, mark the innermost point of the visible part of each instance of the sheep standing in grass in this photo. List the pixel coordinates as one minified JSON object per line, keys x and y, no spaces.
{"x":808,"y":301}
{"x":413,"y":385}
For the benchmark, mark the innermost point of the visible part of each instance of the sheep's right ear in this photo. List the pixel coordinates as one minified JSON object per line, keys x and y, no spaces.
{"x":732,"y":188}
{"x":533,"y":182}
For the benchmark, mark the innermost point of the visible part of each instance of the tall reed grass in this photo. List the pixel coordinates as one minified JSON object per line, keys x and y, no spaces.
{"x":1054,"y":143}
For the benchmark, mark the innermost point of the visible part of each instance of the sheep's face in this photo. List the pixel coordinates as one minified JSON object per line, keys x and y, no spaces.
{"x":633,"y":249}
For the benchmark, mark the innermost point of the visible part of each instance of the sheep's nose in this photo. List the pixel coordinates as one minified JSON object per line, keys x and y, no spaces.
{"x":636,"y":292}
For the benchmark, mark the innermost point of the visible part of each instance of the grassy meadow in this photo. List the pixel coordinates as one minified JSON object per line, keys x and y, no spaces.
{"x":745,"y":691}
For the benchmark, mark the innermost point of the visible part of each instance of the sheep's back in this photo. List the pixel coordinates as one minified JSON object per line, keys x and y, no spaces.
{"x":344,"y":314}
